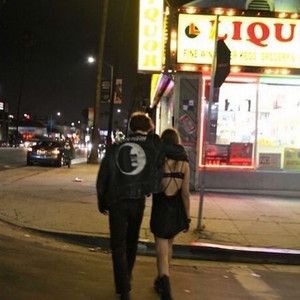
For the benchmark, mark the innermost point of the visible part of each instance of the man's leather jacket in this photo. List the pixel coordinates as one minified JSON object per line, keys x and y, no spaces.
{"x":131,"y":169}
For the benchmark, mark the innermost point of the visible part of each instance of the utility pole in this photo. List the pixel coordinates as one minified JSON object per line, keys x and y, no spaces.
{"x":206,"y":141}
{"x":27,"y":43}
{"x":93,"y":158}
{"x":111,"y":105}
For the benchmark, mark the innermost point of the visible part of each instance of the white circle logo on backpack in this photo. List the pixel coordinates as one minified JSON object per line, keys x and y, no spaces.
{"x":131,"y":159}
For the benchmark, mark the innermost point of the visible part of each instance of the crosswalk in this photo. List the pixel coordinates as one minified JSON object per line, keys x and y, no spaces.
{"x":253,"y":282}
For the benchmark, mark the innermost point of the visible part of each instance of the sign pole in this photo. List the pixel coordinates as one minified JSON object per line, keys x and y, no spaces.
{"x":214,"y":34}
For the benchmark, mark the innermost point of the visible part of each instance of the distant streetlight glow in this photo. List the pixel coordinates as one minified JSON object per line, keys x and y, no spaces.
{"x":91,"y":60}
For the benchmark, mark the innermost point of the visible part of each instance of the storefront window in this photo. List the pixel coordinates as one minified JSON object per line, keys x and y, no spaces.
{"x":232,"y":127}
{"x":278,"y":138}
{"x":253,"y":123}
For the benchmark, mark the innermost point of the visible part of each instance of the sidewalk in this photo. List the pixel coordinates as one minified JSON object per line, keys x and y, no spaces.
{"x":236,"y":227}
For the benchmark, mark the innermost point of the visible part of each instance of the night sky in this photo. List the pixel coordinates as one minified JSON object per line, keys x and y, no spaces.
{"x":62,"y":33}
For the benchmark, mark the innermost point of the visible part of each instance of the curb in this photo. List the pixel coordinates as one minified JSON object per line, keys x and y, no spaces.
{"x":195,"y":251}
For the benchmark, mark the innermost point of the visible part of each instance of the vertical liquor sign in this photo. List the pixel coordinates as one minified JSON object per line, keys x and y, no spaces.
{"x":150,"y":56}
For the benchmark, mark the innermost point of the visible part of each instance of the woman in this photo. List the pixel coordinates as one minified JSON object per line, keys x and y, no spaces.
{"x":170,"y":210}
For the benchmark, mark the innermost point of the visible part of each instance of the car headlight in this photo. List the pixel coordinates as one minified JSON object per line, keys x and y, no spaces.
{"x":55,"y":151}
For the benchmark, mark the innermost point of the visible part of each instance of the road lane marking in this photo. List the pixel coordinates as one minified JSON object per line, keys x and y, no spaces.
{"x":254,"y":283}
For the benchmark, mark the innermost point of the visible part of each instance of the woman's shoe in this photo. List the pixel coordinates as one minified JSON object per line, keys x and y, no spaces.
{"x":157,"y":285}
{"x":164,"y":284}
{"x":123,"y":296}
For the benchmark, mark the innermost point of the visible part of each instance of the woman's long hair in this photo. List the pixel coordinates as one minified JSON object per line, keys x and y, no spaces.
{"x":170,"y":136}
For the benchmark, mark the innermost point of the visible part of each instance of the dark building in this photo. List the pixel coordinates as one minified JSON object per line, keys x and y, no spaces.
{"x":3,"y":123}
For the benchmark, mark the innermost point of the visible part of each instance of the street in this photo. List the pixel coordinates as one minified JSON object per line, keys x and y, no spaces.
{"x":16,"y":157}
{"x":12,"y":158}
{"x":39,"y":267}
{"x":35,"y":266}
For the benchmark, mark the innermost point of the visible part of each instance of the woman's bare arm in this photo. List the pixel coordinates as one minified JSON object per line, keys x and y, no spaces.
{"x":185,"y":189}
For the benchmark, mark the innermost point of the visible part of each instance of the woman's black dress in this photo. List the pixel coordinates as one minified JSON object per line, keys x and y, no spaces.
{"x":168,"y":215}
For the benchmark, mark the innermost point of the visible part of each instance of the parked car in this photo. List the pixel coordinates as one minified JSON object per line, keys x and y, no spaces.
{"x":57,"y":153}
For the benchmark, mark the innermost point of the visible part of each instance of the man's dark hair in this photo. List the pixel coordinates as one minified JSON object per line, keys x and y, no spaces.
{"x":140,"y":121}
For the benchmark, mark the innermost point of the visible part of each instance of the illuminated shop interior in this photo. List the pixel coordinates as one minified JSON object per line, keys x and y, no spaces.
{"x":254,"y":123}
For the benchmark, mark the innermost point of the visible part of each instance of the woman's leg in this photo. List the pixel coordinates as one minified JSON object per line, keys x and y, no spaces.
{"x":162,"y":256}
{"x":170,"y":252}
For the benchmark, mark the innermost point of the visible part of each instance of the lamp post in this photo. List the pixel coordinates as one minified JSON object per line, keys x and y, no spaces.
{"x":93,"y":158}
{"x":58,"y":114}
{"x":111,"y":104}
{"x":92,"y":60}
{"x":27,"y":42}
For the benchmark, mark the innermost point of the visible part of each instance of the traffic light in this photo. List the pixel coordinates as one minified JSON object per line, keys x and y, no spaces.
{"x":222,"y":64}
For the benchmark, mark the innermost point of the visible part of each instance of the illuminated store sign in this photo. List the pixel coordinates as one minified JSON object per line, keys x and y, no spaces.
{"x":150,"y":35}
{"x":292,"y":158}
{"x":263,"y":42}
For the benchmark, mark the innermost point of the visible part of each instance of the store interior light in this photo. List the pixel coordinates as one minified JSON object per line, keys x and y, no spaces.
{"x":167,"y":11}
{"x":218,"y":11}
{"x":188,"y":68}
{"x":235,"y":69}
{"x":270,"y":71}
{"x":173,"y":42}
{"x":282,"y":15}
{"x":230,"y":12}
{"x":294,"y":16}
{"x":285,"y":71}
{"x":205,"y":69}
{"x":191,"y":10}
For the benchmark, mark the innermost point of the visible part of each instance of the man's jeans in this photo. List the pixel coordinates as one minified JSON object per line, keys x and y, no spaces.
{"x":125,"y":218}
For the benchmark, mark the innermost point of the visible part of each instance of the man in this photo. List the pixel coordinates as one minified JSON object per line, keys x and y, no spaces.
{"x":128,"y":172}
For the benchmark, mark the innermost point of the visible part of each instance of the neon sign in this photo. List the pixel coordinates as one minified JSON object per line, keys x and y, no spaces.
{"x":150,"y":35}
{"x":263,"y":42}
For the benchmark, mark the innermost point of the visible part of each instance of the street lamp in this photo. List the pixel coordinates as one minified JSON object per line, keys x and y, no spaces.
{"x":58,"y":114}
{"x":92,"y":60}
